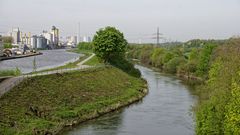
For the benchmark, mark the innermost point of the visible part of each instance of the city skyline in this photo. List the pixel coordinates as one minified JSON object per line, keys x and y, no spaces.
{"x":137,"y":19}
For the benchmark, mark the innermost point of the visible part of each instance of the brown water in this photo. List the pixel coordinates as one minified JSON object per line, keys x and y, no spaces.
{"x":166,"y":110}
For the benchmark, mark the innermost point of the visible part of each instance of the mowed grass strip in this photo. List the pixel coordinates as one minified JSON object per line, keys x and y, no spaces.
{"x":45,"y":104}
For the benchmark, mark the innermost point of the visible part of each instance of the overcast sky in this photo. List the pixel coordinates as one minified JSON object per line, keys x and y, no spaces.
{"x":177,"y":19}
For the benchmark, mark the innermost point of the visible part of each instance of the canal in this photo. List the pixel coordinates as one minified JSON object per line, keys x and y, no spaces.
{"x":49,"y":59}
{"x":166,"y":110}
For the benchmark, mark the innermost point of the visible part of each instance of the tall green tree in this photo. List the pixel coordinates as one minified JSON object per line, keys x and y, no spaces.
{"x":109,"y":43}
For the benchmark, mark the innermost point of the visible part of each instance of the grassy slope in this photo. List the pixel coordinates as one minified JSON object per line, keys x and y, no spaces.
{"x":94,"y":61}
{"x":47,"y":103}
{"x":14,"y":72}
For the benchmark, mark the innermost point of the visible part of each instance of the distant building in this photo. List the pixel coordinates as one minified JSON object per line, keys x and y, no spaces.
{"x":34,"y":42}
{"x":89,"y":39}
{"x":72,"y":41}
{"x":16,"y":35}
{"x":25,"y":39}
{"x":49,"y":37}
{"x":86,"y":39}
{"x":41,"y":42}
{"x":55,"y":36}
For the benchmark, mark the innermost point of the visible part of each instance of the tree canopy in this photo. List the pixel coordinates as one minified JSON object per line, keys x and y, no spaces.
{"x":109,"y":43}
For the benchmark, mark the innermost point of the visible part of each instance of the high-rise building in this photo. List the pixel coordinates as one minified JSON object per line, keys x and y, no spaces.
{"x":55,"y":38}
{"x":16,"y":35}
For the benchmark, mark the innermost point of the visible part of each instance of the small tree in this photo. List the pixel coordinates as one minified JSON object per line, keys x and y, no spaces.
{"x":109,"y":43}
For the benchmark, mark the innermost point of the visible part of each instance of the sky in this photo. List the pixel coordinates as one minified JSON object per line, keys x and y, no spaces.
{"x":178,"y":20}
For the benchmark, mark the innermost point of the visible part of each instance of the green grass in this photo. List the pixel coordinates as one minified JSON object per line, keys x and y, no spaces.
{"x":94,"y":61}
{"x":77,"y":50}
{"x":44,"y":104}
{"x":15,"y":72}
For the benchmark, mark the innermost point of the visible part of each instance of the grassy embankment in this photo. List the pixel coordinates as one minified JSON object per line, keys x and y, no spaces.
{"x":217,"y":63}
{"x":52,"y":102}
{"x":15,"y":72}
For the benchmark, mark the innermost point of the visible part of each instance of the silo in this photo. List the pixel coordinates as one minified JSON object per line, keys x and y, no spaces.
{"x":39,"y":42}
{"x":34,"y":42}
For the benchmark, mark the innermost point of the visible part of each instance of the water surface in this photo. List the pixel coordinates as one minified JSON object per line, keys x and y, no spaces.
{"x":49,"y":59}
{"x":166,"y":110}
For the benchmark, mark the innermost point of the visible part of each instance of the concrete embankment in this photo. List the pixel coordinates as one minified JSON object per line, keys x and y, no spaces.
{"x":20,"y":56}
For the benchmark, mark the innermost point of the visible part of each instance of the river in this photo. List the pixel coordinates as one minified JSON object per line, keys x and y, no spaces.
{"x":49,"y":59}
{"x":166,"y":110}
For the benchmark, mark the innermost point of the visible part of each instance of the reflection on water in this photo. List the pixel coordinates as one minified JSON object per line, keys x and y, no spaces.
{"x":166,"y":110}
{"x":49,"y":59}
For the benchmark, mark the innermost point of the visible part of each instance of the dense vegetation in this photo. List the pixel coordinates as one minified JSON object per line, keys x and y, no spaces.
{"x":54,"y":101}
{"x":191,"y":58}
{"x":7,"y":41}
{"x":219,"y":113}
{"x":217,"y":64}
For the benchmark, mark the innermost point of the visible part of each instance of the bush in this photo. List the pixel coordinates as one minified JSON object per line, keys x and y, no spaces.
{"x":126,"y":66}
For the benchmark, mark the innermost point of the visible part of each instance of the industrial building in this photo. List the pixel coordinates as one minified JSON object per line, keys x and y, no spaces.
{"x":86,"y":39}
{"x":72,"y":41}
{"x":49,"y":37}
{"x":41,"y":42}
{"x":47,"y":40}
{"x":55,"y":36}
{"x":34,"y":41}
{"x":16,"y":35}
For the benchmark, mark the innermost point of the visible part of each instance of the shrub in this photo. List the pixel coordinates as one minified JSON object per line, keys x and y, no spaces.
{"x":126,"y":66}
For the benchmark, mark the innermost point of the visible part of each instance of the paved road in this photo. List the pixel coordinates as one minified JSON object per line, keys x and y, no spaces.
{"x":8,"y":84}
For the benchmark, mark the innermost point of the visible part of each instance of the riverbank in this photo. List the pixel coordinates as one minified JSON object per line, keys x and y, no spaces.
{"x":55,"y":101}
{"x":20,"y":56}
{"x":168,"y":104}
{"x":217,"y":65}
